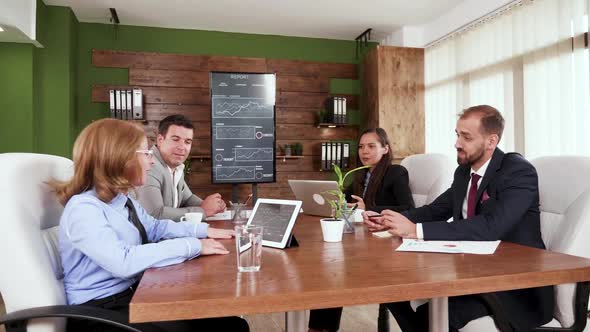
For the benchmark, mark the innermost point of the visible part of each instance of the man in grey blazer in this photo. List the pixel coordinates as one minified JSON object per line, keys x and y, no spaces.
{"x":165,"y":195}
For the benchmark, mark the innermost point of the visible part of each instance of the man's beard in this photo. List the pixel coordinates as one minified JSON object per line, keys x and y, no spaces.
{"x":470,"y":160}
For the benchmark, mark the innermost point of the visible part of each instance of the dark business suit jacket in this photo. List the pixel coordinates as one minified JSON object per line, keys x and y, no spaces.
{"x":394,"y":191}
{"x":507,"y":209}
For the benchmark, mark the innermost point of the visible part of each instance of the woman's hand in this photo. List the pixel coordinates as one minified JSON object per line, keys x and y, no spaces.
{"x":359,"y":201}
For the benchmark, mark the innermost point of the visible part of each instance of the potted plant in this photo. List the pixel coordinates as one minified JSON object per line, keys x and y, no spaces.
{"x":287,"y":149}
{"x":187,"y":166}
{"x":333,"y":227}
{"x":297,"y":149}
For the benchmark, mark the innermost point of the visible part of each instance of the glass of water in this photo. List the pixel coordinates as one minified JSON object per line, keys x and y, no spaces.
{"x":249,"y":247}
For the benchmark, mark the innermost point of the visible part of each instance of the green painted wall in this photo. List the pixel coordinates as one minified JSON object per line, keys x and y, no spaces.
{"x":16,"y":98}
{"x":55,"y":74}
{"x":133,"y":38}
{"x":51,"y":86}
{"x":38,"y":86}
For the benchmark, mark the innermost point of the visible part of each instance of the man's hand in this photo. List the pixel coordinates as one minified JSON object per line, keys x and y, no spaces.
{"x":399,"y":225}
{"x":374,"y":224}
{"x":359,"y":201}
{"x":220,"y":233}
{"x":212,"y":247}
{"x":213,"y":204}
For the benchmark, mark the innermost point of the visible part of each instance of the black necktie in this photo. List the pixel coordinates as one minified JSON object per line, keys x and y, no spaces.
{"x":135,"y":221}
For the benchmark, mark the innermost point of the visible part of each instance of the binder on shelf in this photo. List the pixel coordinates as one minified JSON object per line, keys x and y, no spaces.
{"x":329,"y":156}
{"x":338,"y":111}
{"x":123,"y":105}
{"x":333,"y":159}
{"x":344,"y":116}
{"x":346,"y":155}
{"x":324,"y":157}
{"x":118,"y":104}
{"x":129,"y":105}
{"x":338,"y":154}
{"x":112,"y":102}
{"x":137,"y":104}
{"x":331,"y":109}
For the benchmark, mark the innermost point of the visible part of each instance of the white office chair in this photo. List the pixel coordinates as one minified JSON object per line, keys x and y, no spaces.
{"x":429,"y":175}
{"x":565,"y":226}
{"x":31,"y":281}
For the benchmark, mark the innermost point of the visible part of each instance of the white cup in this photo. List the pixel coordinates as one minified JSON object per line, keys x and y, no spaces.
{"x":358,"y":215}
{"x":194,"y":217}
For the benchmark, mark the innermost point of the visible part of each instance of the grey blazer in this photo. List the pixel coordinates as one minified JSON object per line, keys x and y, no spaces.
{"x":157,"y":195}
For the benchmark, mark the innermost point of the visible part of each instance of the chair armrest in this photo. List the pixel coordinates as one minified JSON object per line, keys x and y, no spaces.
{"x":117,"y":319}
{"x":580,"y":310}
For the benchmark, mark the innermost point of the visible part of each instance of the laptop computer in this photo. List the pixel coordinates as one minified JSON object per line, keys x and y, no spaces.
{"x":309,"y":192}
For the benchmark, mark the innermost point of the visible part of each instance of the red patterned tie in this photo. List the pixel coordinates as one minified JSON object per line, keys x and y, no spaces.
{"x":471,"y":197}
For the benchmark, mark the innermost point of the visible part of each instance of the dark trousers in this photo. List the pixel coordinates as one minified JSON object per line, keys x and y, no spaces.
{"x":120,"y":303}
{"x":462,"y":310}
{"x":325,"y":319}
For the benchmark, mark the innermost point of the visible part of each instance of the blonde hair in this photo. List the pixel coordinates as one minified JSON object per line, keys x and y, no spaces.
{"x":104,"y":158}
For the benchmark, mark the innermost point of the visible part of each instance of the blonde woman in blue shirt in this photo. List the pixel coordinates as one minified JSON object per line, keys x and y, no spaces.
{"x":107,"y":240}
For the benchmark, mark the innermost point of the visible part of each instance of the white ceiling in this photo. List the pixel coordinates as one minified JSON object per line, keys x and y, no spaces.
{"x":334,"y":19}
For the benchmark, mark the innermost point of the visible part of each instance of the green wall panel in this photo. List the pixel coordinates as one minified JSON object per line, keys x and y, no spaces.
{"x":56,"y":81}
{"x":16,"y":98}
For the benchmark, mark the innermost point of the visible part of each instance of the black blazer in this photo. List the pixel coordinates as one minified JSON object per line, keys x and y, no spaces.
{"x":511,"y":213}
{"x":394,"y":192}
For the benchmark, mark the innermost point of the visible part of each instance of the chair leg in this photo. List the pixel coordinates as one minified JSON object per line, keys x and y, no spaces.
{"x":383,"y":320}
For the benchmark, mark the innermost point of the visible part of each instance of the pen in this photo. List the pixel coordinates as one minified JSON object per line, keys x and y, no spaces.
{"x":376,"y":216}
{"x":355,"y":206}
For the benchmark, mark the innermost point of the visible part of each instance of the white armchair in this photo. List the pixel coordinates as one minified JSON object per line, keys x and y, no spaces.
{"x":430,"y":175}
{"x":31,"y":281}
{"x":565,"y":226}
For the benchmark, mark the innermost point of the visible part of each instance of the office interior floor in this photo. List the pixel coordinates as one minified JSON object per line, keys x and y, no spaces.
{"x":358,"y":318}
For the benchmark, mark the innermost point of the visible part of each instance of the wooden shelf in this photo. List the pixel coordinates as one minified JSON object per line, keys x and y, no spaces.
{"x":201,"y":157}
{"x":335,"y":125}
{"x":288,"y":157}
{"x":207,"y":157}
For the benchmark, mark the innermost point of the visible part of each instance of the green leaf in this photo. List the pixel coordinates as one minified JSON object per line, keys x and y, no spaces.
{"x":338,"y":172}
{"x":352,"y":171}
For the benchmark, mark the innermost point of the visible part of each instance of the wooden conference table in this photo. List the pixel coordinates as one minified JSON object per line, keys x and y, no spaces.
{"x":362,"y":269}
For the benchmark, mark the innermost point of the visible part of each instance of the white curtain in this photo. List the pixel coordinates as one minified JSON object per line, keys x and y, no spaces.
{"x":490,"y":86}
{"x":442,"y":98}
{"x":478,"y":67}
{"x":556,"y":88}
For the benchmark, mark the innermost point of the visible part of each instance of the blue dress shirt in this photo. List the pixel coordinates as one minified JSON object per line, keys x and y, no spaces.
{"x":101,"y":250}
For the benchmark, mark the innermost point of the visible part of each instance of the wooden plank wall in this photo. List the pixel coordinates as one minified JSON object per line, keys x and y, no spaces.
{"x":394,"y":94}
{"x":179,"y":84}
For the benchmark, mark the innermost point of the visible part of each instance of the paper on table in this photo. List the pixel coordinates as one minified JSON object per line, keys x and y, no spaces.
{"x":225,"y":215}
{"x":451,"y":247}
{"x":382,"y":234}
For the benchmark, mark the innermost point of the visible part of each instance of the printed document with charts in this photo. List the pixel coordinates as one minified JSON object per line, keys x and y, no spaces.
{"x":451,"y":247}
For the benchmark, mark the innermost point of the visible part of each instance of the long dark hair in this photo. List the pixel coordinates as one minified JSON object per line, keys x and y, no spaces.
{"x":378,"y":171}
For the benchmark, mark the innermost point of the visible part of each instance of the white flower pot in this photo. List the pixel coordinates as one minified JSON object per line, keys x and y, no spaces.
{"x":332,"y":229}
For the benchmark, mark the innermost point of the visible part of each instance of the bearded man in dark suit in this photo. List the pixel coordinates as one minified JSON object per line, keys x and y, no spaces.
{"x":494,"y":196}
